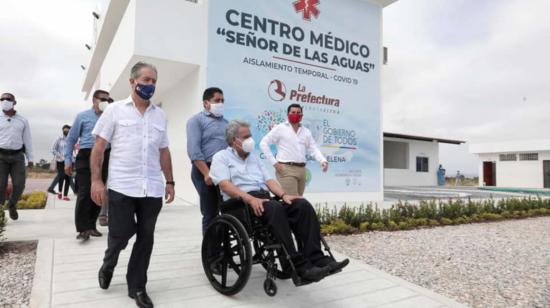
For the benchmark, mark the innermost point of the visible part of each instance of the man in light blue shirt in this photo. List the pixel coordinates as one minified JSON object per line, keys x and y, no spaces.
{"x":241,"y":174}
{"x":86,"y":211}
{"x":205,"y":137}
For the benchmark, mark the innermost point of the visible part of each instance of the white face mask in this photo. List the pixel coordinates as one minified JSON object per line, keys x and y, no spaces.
{"x":102,"y":106}
{"x":216,"y":109}
{"x":248,"y":145}
{"x":7,"y":105}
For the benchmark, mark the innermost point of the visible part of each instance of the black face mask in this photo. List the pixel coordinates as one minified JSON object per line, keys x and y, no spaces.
{"x":65,"y":132}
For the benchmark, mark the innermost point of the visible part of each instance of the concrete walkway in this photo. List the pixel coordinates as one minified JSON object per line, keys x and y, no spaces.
{"x":66,"y":270}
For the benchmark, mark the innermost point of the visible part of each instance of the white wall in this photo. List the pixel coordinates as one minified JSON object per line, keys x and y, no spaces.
{"x":409,"y":176}
{"x":520,"y":174}
{"x":181,"y":102}
{"x":120,"y":53}
{"x":173,"y":30}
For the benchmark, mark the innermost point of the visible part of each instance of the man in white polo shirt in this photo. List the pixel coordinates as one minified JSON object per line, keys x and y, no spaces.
{"x":136,"y":130}
{"x":293,"y":142}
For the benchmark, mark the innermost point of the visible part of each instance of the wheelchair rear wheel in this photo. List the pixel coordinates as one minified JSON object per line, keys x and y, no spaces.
{"x":227,"y":255}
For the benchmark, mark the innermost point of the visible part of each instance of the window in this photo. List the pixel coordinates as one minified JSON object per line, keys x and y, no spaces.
{"x":528,"y":156}
{"x":508,"y":157}
{"x":396,"y":155}
{"x":422,"y":164}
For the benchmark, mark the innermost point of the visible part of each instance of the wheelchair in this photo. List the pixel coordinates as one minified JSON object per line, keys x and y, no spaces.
{"x":227,"y":248}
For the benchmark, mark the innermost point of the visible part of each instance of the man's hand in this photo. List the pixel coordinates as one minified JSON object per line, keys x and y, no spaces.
{"x":169,"y":193}
{"x":324,"y":165}
{"x":208,"y":180}
{"x":30,"y":164}
{"x":257,"y":205}
{"x":69,"y":169}
{"x":278,"y":167}
{"x":98,"y":192}
{"x":288,"y":199}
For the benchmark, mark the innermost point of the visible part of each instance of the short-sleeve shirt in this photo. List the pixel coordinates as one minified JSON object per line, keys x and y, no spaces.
{"x":247,"y":174}
{"x":136,"y":140}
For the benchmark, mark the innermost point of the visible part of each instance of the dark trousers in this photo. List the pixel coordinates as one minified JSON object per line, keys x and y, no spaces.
{"x":12,"y":165}
{"x":60,"y":167}
{"x":64,"y":179}
{"x":129,"y":216}
{"x":208,"y":197}
{"x":86,"y":211}
{"x":298,"y":218}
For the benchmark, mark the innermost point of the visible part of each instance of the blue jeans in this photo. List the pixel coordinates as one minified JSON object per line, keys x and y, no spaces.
{"x":208,"y":197}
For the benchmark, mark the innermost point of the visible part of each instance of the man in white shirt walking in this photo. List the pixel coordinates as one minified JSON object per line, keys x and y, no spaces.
{"x":293,"y":142}
{"x":15,"y":144}
{"x":136,"y":130}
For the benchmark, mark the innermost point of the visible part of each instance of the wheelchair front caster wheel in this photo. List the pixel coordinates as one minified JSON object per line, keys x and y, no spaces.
{"x":270,"y":287}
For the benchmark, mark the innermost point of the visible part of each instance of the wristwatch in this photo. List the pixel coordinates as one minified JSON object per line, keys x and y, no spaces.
{"x":171,"y":183}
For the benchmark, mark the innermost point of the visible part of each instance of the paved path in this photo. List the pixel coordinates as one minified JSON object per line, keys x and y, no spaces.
{"x":66,"y":271}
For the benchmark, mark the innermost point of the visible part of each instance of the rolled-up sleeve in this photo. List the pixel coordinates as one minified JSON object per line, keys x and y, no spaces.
{"x":72,"y":138}
{"x":105,"y":125}
{"x":194,"y":138}
{"x":219,"y":170}
{"x":313,"y":150}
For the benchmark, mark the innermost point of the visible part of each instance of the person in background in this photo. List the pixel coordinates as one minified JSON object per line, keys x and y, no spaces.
{"x":458,"y":178}
{"x":205,"y":137}
{"x":86,"y":211}
{"x":58,"y":151}
{"x":15,"y":144}
{"x":293,"y":142}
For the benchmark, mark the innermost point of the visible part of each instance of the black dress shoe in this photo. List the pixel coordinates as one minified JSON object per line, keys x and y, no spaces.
{"x":332,"y":265}
{"x":142,"y":299}
{"x":84,"y":236}
{"x":104,"y":278}
{"x":337,"y":266}
{"x":13,"y":213}
{"x":95,"y":233}
{"x":312,"y":272}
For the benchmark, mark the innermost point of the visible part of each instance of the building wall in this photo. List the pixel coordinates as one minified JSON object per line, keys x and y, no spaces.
{"x":409,"y":176}
{"x":521,"y":174}
{"x":180,"y":103}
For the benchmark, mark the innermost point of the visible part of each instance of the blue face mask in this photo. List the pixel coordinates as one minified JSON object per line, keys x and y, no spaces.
{"x":145,"y":91}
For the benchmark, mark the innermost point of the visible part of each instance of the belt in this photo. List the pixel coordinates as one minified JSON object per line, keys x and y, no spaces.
{"x":293,"y":164}
{"x":260,"y":194}
{"x":10,"y":152}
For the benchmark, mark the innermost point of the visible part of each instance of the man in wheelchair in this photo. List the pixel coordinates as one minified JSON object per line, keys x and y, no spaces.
{"x":242,"y":175}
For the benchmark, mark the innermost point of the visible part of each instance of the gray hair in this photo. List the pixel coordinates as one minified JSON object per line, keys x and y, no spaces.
{"x":232,"y":130}
{"x":136,"y":69}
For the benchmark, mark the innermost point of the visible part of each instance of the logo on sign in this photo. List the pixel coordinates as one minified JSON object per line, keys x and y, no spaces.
{"x":308,"y":8}
{"x":276,"y":90}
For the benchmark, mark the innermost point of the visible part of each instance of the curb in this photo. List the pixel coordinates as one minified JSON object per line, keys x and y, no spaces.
{"x":43,"y":271}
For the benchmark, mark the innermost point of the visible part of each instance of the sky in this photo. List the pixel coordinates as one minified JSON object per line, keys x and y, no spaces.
{"x":472,"y":70}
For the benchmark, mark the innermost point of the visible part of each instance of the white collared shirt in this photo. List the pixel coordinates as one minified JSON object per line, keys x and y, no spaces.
{"x":291,"y":146}
{"x":15,"y":133}
{"x":136,"y":140}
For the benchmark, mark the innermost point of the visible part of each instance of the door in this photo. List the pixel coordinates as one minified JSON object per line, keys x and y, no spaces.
{"x":546,"y":173}
{"x":489,"y":173}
